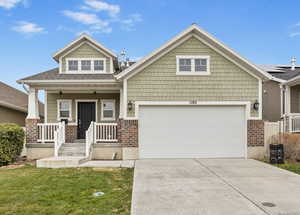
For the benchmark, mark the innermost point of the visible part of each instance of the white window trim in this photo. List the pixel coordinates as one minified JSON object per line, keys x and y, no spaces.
{"x":114,"y":110}
{"x":193,"y":57}
{"x":70,"y":109}
{"x":79,"y":71}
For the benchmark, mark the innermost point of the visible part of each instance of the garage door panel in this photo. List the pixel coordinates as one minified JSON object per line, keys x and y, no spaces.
{"x":191,"y":131}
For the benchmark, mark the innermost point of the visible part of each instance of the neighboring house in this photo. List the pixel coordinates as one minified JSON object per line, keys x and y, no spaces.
{"x":288,"y":91}
{"x":192,"y":97}
{"x":13,"y":105}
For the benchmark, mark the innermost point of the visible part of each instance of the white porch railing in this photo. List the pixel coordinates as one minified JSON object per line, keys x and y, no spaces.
{"x":46,"y":132}
{"x":294,"y":123}
{"x":89,"y":139}
{"x":59,"y":137}
{"x":105,"y":132}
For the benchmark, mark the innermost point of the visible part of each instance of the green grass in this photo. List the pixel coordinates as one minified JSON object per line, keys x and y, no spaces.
{"x":29,"y":191}
{"x":293,"y":167}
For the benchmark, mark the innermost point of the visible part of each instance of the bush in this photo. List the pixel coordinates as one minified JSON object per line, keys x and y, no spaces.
{"x":11,"y":142}
{"x":291,"y":144}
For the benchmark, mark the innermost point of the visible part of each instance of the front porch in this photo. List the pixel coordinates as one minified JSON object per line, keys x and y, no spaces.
{"x":290,"y":96}
{"x":85,"y":125}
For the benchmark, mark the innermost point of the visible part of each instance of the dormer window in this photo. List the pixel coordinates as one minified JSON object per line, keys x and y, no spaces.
{"x":73,"y":65}
{"x":85,"y":65}
{"x":98,"y":65}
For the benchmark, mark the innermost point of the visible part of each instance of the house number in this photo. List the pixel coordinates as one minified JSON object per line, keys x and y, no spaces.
{"x":193,"y":102}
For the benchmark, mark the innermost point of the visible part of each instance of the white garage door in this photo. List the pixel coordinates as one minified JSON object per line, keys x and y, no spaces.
{"x":192,"y":131}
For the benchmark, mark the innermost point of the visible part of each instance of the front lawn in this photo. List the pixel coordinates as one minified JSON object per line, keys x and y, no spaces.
{"x":293,"y":167}
{"x":29,"y":191}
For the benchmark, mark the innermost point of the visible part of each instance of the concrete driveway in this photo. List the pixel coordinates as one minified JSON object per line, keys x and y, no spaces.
{"x":213,"y":186}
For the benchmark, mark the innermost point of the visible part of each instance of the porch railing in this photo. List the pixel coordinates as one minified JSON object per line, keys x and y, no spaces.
{"x":291,"y":123}
{"x":105,"y":132}
{"x":46,"y":132}
{"x":294,"y":123}
{"x":59,"y":137}
{"x":89,"y":139}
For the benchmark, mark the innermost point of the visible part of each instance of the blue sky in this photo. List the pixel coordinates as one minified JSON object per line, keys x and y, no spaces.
{"x":263,"y":31}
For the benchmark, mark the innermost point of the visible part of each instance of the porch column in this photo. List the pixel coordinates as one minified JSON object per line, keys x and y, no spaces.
{"x":33,"y":104}
{"x":33,"y":117}
{"x":288,"y":106}
{"x":121,"y":104}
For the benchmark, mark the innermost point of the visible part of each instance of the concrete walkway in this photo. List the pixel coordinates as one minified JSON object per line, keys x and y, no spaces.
{"x":213,"y":186}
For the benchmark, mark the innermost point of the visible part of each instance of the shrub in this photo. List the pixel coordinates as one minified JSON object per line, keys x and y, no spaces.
{"x":11,"y":142}
{"x":291,"y":144}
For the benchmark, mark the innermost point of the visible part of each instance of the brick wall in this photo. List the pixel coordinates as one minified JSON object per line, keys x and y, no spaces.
{"x":31,"y":130}
{"x":71,"y":133}
{"x":255,"y":134}
{"x":128,"y":133}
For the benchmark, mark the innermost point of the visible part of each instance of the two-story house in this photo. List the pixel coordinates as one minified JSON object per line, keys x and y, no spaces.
{"x":192,"y":97}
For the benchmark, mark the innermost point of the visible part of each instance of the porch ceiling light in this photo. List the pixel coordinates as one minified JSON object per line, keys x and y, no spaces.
{"x":256,"y":105}
{"x":130,"y":105}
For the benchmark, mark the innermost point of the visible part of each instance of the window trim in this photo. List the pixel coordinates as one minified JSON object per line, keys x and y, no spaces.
{"x":70,"y":109}
{"x":79,"y":71}
{"x":114,"y":110}
{"x":193,"y":57}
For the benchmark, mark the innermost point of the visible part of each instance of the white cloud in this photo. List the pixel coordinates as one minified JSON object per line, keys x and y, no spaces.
{"x":129,"y":23}
{"x":90,"y":19}
{"x":295,"y":34}
{"x":113,"y":10}
{"x":8,"y":4}
{"x":28,"y":28}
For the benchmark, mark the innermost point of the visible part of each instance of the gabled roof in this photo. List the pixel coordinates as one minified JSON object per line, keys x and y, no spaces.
{"x":82,"y":38}
{"x":15,"y":99}
{"x":211,"y":41}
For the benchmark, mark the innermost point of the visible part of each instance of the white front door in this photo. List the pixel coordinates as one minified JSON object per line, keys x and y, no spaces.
{"x":192,"y":131}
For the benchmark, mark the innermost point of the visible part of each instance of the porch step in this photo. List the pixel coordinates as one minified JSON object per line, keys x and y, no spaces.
{"x":79,"y":141}
{"x":60,"y":162}
{"x":72,"y":150}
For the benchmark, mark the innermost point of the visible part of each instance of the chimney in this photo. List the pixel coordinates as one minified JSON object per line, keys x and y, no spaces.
{"x":293,"y":63}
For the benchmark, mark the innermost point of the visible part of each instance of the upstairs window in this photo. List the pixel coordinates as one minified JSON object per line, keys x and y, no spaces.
{"x":86,"y":65}
{"x":192,"y":65}
{"x":98,"y":65}
{"x":73,"y":65}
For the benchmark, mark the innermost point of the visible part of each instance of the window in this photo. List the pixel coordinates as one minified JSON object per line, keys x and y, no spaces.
{"x":192,"y":65}
{"x":185,"y":65}
{"x":107,"y":109}
{"x":64,"y":109}
{"x":98,"y":65}
{"x":85,"y":65}
{"x":73,"y":65}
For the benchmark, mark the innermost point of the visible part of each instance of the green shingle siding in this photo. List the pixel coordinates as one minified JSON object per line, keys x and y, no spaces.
{"x":85,"y":51}
{"x":159,"y":82}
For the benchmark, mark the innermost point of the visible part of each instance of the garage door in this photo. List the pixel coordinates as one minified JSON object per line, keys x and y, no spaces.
{"x":192,"y":131}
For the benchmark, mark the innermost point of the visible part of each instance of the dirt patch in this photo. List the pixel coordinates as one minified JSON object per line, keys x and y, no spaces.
{"x":103,"y":169}
{"x":20,"y":162}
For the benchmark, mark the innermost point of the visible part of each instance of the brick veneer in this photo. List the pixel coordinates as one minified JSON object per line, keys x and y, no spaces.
{"x":31,"y":130}
{"x":255,"y":134}
{"x":71,"y":133}
{"x":128,"y":133}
